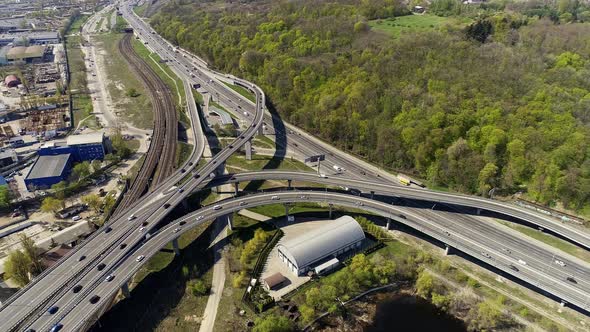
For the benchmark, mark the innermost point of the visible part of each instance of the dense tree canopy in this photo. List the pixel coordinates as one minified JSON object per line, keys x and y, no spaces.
{"x":507,"y":108}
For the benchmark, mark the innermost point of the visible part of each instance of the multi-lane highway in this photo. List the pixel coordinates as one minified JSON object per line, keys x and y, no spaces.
{"x":113,"y":249}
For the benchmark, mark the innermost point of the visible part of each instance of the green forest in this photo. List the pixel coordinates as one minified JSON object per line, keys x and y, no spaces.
{"x":501,"y":102}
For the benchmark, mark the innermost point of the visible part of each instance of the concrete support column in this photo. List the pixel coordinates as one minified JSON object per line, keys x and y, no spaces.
{"x":289,"y":184}
{"x":478,"y":212}
{"x":125,"y":290}
{"x":330,"y":211}
{"x":448,"y":250}
{"x":236,"y":188}
{"x":175,"y":246}
{"x":286,"y":213}
{"x":227,"y":218}
{"x":248,"y":150}
{"x":388,"y":225}
{"x":372,"y":194}
{"x":261,"y":130}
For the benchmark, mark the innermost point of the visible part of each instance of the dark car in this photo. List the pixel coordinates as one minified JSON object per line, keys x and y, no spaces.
{"x":182,"y":170}
{"x":197,"y":176}
{"x":123,"y":245}
{"x":144,"y":223}
{"x":402,"y":216}
{"x":77,"y":288}
{"x":514,"y":268}
{"x":570,"y":279}
{"x":108,"y":229}
{"x":56,"y":327}
{"x":94,"y":299}
{"x":81,"y":258}
{"x":190,"y":163}
{"x":101,"y":266}
{"x":53,"y":310}
{"x":182,"y":223}
{"x":167,"y":205}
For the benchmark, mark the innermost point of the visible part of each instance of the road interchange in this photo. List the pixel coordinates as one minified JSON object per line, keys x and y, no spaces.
{"x":152,"y":208}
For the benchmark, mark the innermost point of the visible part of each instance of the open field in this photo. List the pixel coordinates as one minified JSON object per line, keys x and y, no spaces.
{"x":414,"y":23}
{"x":242,"y":91}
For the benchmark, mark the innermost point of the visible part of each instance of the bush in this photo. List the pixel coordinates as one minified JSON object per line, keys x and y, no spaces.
{"x":198,"y":288}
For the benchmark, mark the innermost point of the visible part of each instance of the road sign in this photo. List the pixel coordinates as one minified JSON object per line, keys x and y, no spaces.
{"x":316,"y":158}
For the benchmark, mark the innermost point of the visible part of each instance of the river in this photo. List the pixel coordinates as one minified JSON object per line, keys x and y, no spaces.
{"x":410,"y":313}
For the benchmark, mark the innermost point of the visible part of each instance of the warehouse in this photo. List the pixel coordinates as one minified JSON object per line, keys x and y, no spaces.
{"x":48,"y":170}
{"x":88,"y":146}
{"x":302,"y":254}
{"x":27,"y":54}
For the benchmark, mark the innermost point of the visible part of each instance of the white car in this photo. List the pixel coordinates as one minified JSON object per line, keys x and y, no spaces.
{"x":217,"y":207}
{"x":176,"y":230}
{"x":243,"y":203}
{"x":131,"y":217}
{"x":141,"y":229}
{"x":560,"y":263}
{"x":199,"y":218}
{"x":275,"y":198}
{"x":76,"y":218}
{"x":520,"y":261}
{"x":140,"y":258}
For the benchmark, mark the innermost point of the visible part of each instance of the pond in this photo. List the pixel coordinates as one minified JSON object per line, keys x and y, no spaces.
{"x":411,"y":313}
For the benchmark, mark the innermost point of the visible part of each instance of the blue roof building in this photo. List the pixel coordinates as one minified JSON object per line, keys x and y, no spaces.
{"x":48,"y":170}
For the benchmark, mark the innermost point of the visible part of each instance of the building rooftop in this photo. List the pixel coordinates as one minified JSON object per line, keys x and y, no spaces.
{"x":52,"y":256}
{"x":316,"y":244}
{"x":48,"y":166}
{"x":18,"y":52}
{"x":96,"y":137}
{"x":274,"y":279}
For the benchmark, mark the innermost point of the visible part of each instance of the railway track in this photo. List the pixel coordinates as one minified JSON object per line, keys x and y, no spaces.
{"x":160,"y":157}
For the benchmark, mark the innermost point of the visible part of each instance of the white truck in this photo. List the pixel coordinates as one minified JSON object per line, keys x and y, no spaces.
{"x":338,"y":168}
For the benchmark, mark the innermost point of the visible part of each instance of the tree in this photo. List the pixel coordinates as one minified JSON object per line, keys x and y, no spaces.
{"x":96,"y":165}
{"x":17,"y":267}
{"x":486,"y":316}
{"x":60,"y":190}
{"x":32,"y":252}
{"x":424,"y":284}
{"x":273,"y":323}
{"x":51,"y":204}
{"x":198,"y":288}
{"x":4,"y":197}
{"x":93,"y":201}
{"x":119,"y":144}
{"x":109,"y":202}
{"x":480,"y":30}
{"x":131,"y":92}
{"x":361,"y":27}
{"x":81,"y":170}
{"x":487,"y":178}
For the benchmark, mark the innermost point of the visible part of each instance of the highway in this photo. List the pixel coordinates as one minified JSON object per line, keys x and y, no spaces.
{"x":475,"y":240}
{"x":55,"y":286}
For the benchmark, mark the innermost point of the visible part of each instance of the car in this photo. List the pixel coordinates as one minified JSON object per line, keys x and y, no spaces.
{"x":520,"y":261}
{"x":217,"y":207}
{"x":101,"y":266}
{"x":182,"y":170}
{"x":231,"y":146}
{"x":110,"y":277}
{"x":514,"y":268}
{"x":77,"y":289}
{"x":303,"y":197}
{"x":81,"y":258}
{"x":145,"y":223}
{"x":76,"y":218}
{"x":140,"y":258}
{"x":190,"y":163}
{"x":141,"y":229}
{"x":507,"y":250}
{"x":176,"y":230}
{"x":199,"y":218}
{"x":402,"y":216}
{"x":572,"y":280}
{"x":485,"y":254}
{"x":94,"y":299}
{"x":322,"y":175}
{"x":167,"y":205}
{"x":275,"y":198}
{"x":53,"y":310}
{"x":108,"y":229}
{"x":560,"y":263}
{"x":182,"y":223}
{"x":360,"y":203}
{"x":123,"y":245}
{"x":131,"y":217}
{"x":243,"y":203}
{"x":181,"y":190}
{"x":196,"y":176}
{"x":57,"y":327}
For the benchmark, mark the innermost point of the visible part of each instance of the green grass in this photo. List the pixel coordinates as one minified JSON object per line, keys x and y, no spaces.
{"x":162,"y":70}
{"x":244,"y":92}
{"x":258,"y":162}
{"x":120,"y":77}
{"x":551,"y":240}
{"x":183,"y":151}
{"x":263,"y":142}
{"x":139,"y":10}
{"x":396,"y":26}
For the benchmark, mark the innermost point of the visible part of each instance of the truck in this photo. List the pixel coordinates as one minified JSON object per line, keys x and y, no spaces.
{"x":338,"y":168}
{"x":403,"y":180}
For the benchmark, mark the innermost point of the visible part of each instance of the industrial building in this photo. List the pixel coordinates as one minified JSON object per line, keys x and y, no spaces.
{"x":26,"y":54}
{"x":30,"y":38}
{"x":8,"y":157}
{"x":48,"y":170}
{"x":87,"y":146}
{"x":318,"y":250}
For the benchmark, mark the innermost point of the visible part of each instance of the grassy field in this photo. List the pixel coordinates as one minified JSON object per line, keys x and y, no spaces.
{"x":259,"y":162}
{"x":242,"y":91}
{"x":395,"y":26}
{"x":139,"y":10}
{"x":136,"y":110}
{"x":82,"y":104}
{"x":183,"y":151}
{"x":551,"y":240}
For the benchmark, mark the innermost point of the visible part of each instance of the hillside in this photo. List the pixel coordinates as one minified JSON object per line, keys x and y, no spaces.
{"x":489,"y":97}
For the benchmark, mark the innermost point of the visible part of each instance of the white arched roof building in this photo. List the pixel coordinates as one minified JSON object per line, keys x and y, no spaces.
{"x":333,"y":239}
